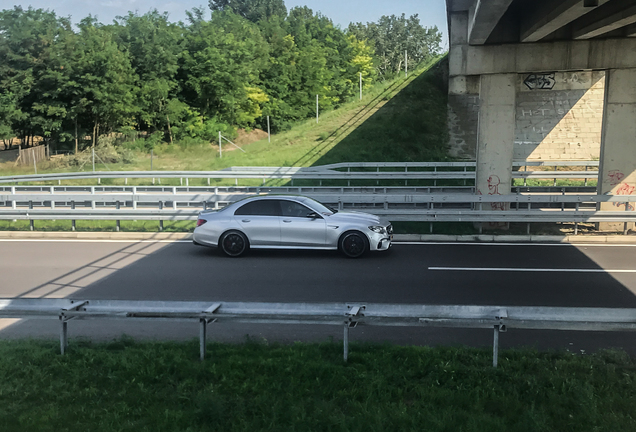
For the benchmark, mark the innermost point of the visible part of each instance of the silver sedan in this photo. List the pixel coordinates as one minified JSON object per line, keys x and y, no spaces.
{"x":290,"y":222}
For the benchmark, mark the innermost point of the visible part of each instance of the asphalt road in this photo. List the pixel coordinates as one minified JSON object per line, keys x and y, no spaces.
{"x":479,"y":274}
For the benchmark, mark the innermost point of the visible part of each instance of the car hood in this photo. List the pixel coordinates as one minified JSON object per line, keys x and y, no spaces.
{"x":354,"y":216}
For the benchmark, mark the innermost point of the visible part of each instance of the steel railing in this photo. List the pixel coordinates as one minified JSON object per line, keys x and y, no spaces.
{"x":396,"y":207}
{"x":419,"y":171}
{"x":348,"y":315}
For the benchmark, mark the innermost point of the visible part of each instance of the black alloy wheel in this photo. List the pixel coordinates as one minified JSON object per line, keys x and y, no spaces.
{"x":234,"y":244}
{"x":354,"y":244}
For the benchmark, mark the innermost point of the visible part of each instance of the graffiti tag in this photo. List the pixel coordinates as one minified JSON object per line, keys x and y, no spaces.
{"x":540,"y":81}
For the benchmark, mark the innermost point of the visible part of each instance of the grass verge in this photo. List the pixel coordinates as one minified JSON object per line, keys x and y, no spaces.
{"x":161,"y":386}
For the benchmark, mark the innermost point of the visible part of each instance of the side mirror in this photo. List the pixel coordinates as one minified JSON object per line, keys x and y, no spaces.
{"x":314,"y":215}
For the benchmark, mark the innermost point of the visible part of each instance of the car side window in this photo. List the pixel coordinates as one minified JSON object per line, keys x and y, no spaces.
{"x":294,"y":209}
{"x":261,"y":207}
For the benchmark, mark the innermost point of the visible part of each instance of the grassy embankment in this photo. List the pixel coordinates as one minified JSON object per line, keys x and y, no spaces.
{"x":129,"y":386}
{"x":400,"y":120}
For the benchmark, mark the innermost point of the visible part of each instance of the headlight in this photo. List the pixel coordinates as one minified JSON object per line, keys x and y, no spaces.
{"x":378,"y":229}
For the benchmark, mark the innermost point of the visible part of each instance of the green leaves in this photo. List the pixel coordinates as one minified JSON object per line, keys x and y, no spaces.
{"x":142,"y":73}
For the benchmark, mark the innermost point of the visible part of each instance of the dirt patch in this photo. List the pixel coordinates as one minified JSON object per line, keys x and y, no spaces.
{"x":249,"y":137}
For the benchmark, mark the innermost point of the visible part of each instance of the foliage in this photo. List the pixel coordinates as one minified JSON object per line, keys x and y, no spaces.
{"x":392,"y":36}
{"x":248,"y":60}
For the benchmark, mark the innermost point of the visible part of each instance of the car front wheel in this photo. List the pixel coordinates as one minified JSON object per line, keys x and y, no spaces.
{"x":353,"y":244}
{"x":234,"y":244}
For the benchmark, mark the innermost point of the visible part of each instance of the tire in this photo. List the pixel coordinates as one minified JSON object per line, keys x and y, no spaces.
{"x":234,"y":244}
{"x":353,"y":244}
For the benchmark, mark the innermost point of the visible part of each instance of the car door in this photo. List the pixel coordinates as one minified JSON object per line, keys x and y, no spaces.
{"x":297,"y":228}
{"x":260,"y":221}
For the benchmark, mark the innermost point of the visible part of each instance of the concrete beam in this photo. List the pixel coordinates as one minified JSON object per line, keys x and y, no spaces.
{"x":545,"y":21}
{"x":483,"y":18}
{"x":611,"y":21}
{"x":630,"y":31}
{"x":458,"y":5}
{"x":555,"y":56}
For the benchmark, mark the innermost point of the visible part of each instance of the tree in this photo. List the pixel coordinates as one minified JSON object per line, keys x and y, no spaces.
{"x":221,"y":65}
{"x":391,"y":36}
{"x":105,"y":77}
{"x":31,"y":74}
{"x":252,"y":10}
{"x":153,"y":46}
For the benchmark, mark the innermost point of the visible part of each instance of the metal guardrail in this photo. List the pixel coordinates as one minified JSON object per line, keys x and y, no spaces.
{"x":348,"y":315}
{"x":396,"y":207}
{"x":326,"y":172}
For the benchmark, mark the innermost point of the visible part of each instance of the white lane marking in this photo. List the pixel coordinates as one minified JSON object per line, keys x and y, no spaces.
{"x":513,"y":269}
{"x":95,"y":241}
{"x":515,"y":244}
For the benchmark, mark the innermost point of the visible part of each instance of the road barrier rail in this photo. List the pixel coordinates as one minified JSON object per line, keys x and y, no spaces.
{"x":348,"y":315}
{"x":419,"y":171}
{"x":396,"y":207}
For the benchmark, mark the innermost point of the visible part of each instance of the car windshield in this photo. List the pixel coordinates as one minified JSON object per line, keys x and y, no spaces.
{"x":320,"y":207}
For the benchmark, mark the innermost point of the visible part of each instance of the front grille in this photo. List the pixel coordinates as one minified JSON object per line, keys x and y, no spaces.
{"x":389,"y":229}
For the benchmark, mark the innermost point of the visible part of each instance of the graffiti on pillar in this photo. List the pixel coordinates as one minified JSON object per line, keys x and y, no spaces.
{"x":493,"y":189}
{"x":614,"y":177}
{"x":493,"y":185}
{"x":540,"y":81}
{"x":625,"y":189}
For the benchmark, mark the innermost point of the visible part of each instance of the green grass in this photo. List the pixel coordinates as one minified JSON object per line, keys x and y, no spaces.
{"x":130,"y":386}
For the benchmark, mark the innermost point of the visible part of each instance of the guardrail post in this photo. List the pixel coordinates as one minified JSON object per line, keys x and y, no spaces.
{"x":627,"y":205}
{"x":576,"y":224}
{"x":346,"y":341}
{"x":495,"y":347}
{"x":160,"y":220}
{"x":134,"y":193}
{"x":126,"y":180}
{"x":181,"y":182}
{"x":208,"y":181}
{"x":63,"y":335}
{"x":187,"y":182}
{"x":202,"y":337}
{"x":117,"y":221}
{"x":585,"y":180}
{"x":205,"y":205}
{"x":31,"y":224}
{"x":528,"y":224}
{"x":73,"y":220}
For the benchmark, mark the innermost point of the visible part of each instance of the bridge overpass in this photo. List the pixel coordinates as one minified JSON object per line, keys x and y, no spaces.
{"x":544,"y":80}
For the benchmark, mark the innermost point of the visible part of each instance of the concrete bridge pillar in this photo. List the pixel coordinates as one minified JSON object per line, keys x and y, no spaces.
{"x":496,"y":133}
{"x":617,"y":174}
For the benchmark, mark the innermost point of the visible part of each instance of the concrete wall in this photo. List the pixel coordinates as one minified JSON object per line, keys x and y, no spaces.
{"x":618,"y":148}
{"x":559,"y":116}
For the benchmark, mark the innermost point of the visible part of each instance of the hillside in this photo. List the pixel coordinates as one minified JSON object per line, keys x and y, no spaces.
{"x":399,"y":120}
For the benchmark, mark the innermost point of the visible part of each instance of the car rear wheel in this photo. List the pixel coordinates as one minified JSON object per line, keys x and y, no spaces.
{"x":234,"y":244}
{"x":353,"y":244}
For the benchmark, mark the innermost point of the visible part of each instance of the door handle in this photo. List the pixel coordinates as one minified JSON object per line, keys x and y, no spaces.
{"x":286,"y":220}
{"x":246,"y":220}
